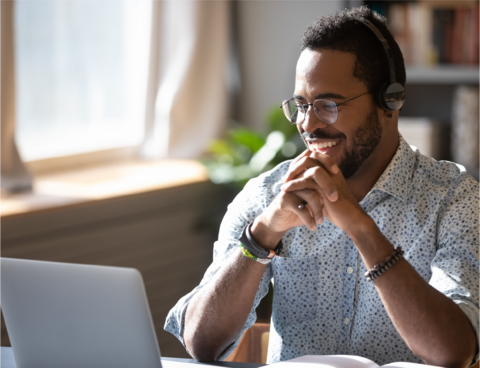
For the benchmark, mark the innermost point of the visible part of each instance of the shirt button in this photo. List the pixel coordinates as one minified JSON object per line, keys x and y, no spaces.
{"x":350,"y":269}
{"x":346,"y":321}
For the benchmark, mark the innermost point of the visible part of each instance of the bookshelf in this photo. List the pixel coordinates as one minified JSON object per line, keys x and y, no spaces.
{"x":442,"y":74}
{"x":440,"y":43}
{"x":433,"y":33}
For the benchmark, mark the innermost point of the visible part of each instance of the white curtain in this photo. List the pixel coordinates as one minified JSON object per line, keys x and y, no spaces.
{"x":187,"y":101}
{"x":14,"y":175}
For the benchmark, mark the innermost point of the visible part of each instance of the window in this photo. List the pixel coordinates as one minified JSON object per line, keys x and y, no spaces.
{"x":81,"y":75}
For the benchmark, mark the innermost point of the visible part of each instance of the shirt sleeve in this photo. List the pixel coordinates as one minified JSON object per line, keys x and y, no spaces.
{"x":243,"y":210}
{"x":455,"y":268}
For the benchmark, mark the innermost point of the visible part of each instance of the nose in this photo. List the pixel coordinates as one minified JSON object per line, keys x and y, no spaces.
{"x":312,"y":122}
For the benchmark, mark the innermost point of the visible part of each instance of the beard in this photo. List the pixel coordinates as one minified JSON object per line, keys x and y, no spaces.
{"x":365,"y":140}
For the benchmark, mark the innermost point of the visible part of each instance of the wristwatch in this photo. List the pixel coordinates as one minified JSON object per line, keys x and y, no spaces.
{"x":247,"y":241}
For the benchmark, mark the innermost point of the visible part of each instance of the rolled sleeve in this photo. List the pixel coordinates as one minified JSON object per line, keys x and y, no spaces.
{"x":456,"y":264}
{"x":175,"y":322}
{"x":248,"y":204}
{"x":455,"y":268}
{"x":471,"y":311}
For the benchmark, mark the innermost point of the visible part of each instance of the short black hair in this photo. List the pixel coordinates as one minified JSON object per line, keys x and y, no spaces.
{"x":341,"y":32}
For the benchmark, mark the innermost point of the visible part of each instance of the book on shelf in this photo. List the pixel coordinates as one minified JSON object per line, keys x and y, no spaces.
{"x":436,"y":32}
{"x":340,"y":361}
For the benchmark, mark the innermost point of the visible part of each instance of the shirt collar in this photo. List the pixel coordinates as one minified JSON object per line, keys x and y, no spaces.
{"x":397,"y":178}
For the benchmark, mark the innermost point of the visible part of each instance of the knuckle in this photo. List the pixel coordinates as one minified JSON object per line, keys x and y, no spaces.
{"x":308,"y":174}
{"x":303,"y":161}
{"x":312,"y":171}
{"x":309,"y":193}
{"x":282,"y":199}
{"x":317,"y":170}
{"x":283,"y":196}
{"x":283,"y":205}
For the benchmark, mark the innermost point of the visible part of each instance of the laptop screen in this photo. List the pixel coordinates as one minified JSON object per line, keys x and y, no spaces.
{"x":71,"y":315}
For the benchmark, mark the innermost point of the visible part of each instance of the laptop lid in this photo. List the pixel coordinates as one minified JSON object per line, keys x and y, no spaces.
{"x":69,"y":315}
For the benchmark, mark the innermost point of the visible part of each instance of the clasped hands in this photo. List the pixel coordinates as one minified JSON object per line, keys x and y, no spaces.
{"x":315,"y":180}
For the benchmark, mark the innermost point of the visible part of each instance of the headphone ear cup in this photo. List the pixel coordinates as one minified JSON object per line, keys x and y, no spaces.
{"x":380,"y":95}
{"x":391,"y":96}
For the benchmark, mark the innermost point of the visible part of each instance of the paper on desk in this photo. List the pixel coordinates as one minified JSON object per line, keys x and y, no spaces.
{"x":340,"y":361}
{"x":174,"y":364}
{"x":326,"y":361}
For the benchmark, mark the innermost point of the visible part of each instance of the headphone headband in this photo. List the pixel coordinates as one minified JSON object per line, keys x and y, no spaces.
{"x":391,"y":95}
{"x":386,"y":46}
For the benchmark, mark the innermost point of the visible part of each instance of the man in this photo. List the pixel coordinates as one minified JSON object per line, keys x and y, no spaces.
{"x":343,"y":206}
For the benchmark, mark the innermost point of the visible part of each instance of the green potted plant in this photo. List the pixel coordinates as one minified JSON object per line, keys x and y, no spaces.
{"x":246,"y":153}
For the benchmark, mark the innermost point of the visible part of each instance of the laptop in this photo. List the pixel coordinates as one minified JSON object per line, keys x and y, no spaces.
{"x":69,"y":315}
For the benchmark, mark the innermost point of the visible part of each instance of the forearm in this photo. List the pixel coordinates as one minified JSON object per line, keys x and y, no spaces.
{"x":217,"y":313}
{"x":431,"y":324}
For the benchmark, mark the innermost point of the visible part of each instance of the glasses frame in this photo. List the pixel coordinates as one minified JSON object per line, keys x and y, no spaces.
{"x":306,"y":106}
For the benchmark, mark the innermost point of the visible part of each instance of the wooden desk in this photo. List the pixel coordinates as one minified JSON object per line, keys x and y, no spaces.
{"x":8,"y":361}
{"x":124,"y":215}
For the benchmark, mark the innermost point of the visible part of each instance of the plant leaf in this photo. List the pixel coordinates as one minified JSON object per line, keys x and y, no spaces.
{"x":248,"y":138}
{"x":277,"y":121}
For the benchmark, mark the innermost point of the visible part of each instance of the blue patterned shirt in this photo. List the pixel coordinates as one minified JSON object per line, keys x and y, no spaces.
{"x":322,"y":302}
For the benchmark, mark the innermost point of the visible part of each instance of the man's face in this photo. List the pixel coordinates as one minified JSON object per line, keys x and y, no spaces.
{"x":353,"y":138}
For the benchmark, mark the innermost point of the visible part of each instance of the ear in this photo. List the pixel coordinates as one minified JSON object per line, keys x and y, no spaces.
{"x":388,"y":114}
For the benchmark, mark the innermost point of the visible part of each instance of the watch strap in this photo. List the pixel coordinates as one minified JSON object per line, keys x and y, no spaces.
{"x":248,"y":243}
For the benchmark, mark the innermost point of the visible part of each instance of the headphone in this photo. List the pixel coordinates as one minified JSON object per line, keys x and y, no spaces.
{"x":391,"y":94}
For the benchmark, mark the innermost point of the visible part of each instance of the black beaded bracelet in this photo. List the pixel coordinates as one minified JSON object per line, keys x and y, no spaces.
{"x":380,"y":268}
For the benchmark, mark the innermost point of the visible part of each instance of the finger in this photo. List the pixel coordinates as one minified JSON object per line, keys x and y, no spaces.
{"x":324,"y":180}
{"x":303,"y":155}
{"x":315,"y":179}
{"x":314,"y":159}
{"x":300,"y":183}
{"x":295,"y":204}
{"x":301,"y":206}
{"x":300,"y":166}
{"x":309,"y":207}
{"x":326,"y":161}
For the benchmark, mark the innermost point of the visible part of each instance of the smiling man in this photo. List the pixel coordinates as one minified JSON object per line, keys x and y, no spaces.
{"x":376,"y":245}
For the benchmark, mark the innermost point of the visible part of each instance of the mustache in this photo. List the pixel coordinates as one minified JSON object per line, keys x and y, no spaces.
{"x":321,"y":134}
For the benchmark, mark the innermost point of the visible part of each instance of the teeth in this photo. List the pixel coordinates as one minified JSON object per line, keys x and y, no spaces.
{"x":318,"y":146}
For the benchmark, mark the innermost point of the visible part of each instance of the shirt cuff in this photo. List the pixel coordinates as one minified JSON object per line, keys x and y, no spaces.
{"x":175,"y":321}
{"x":175,"y":324}
{"x":472,"y":313}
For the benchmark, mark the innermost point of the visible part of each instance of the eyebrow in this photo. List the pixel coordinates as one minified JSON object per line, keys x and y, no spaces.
{"x":322,"y":96}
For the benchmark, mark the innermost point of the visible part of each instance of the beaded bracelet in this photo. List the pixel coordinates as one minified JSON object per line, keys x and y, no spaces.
{"x":247,"y":254}
{"x":380,"y":268}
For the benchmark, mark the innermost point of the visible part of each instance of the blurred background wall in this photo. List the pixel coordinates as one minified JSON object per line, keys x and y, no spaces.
{"x":269,"y":39}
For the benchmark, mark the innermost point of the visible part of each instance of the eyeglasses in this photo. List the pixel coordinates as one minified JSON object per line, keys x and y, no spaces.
{"x":326,"y":110}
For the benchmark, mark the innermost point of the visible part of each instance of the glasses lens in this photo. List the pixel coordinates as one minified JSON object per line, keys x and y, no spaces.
{"x":293,"y":111}
{"x":326,"y":111}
